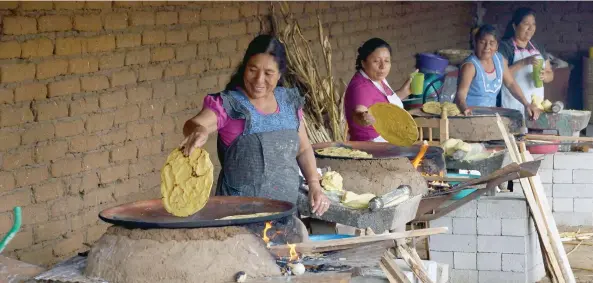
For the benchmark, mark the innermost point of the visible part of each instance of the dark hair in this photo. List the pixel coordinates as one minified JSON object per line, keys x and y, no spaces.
{"x":369,"y":47}
{"x":485,"y":30}
{"x":518,"y":17}
{"x":265,"y":44}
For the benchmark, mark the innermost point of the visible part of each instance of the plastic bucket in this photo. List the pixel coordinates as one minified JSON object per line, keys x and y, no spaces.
{"x":429,"y":63}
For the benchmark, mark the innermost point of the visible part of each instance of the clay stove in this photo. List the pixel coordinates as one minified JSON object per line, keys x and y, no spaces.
{"x":143,"y":245}
{"x":389,"y":168}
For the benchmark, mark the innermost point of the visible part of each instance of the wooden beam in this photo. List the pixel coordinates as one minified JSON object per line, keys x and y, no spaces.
{"x":392,"y":271}
{"x":341,"y":244}
{"x":414,"y":263}
{"x":558,"y":138}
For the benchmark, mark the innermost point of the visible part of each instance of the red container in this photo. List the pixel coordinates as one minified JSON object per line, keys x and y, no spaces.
{"x":543,"y":148}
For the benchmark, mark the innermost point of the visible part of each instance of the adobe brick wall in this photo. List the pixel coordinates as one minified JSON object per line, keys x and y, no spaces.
{"x":564,"y":28}
{"x":93,"y":95}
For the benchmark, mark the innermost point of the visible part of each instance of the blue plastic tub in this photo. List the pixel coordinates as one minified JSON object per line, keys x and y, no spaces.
{"x":465,"y":192}
{"x":325,"y":237}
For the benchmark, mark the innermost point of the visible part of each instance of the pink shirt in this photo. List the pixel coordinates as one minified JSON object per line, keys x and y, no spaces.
{"x":228,"y":128}
{"x":362,"y":91}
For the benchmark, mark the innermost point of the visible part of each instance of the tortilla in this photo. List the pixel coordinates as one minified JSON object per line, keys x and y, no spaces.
{"x":394,"y":124}
{"x":186,"y":182}
{"x":332,"y":181}
{"x":343,"y":152}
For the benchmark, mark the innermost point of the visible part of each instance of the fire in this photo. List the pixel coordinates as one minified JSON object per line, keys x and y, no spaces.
{"x":418,"y":158}
{"x":265,"y":233}
{"x":293,"y":253}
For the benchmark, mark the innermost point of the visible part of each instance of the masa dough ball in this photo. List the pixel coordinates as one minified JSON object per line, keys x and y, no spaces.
{"x":186,"y":182}
{"x":332,"y":181}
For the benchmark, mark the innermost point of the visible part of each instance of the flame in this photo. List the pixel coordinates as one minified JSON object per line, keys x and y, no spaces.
{"x":293,"y":254}
{"x":442,"y":174}
{"x":265,"y":233}
{"x":418,"y":158}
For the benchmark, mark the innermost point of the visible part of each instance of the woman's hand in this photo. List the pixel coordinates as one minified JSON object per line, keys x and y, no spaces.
{"x":532,"y":111}
{"x":405,"y":90}
{"x":194,"y":140}
{"x":366,"y":119}
{"x":529,"y":60}
{"x":467,"y":112}
{"x":317,"y":198}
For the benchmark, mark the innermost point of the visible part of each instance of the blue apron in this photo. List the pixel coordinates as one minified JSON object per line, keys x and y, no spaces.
{"x":483,"y":92}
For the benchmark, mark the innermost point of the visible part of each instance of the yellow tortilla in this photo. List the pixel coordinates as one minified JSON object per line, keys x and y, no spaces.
{"x":343,"y":152}
{"x":356,"y":201}
{"x":186,"y":182}
{"x":332,"y":181}
{"x":394,"y":124}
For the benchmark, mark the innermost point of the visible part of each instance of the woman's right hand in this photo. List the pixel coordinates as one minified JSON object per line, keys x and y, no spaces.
{"x":467,"y":112}
{"x":365,"y":118}
{"x":194,"y":140}
{"x":529,"y":60}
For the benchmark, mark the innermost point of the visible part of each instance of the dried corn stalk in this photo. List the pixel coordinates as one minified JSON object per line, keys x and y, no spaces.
{"x":324,"y":111}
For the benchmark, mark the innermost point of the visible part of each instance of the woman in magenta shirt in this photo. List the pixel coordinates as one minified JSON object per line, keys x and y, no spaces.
{"x":369,"y":86}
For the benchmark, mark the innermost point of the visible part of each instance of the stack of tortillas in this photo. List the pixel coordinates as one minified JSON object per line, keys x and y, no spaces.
{"x":394,"y":124}
{"x":186,"y":182}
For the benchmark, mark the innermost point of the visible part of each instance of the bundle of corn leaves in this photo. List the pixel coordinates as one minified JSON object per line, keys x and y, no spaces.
{"x":323,"y":111}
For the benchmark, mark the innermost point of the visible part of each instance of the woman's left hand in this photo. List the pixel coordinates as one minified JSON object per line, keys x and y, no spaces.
{"x":533,"y":112}
{"x":319,"y":201}
{"x":542,"y":76}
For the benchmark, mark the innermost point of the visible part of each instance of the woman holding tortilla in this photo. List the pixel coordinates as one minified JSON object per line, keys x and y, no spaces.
{"x":262,"y":142}
{"x":369,"y":86}
{"x":483,"y":74}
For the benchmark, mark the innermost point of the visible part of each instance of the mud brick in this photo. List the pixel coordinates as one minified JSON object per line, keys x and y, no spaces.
{"x":9,"y":140}
{"x":152,"y":109}
{"x":142,"y":167}
{"x":198,"y":34}
{"x":127,"y":114}
{"x":128,"y":40}
{"x":51,"y":110}
{"x":198,"y":67}
{"x":153,"y":37}
{"x":84,"y":143}
{"x":19,"y":197}
{"x":84,"y":105}
{"x":30,"y":92}
{"x":94,"y":83}
{"x":69,"y":128}
{"x":126,"y":188}
{"x":94,"y":160}
{"x":69,"y":245}
{"x":175,"y":105}
{"x":175,"y":70}
{"x":40,"y":47}
{"x":10,"y":49}
{"x":187,"y":87}
{"x":52,"y":68}
{"x":209,"y":82}
{"x":68,"y":46}
{"x":189,"y":17}
{"x":163,"y":89}
{"x":162,"y":54}
{"x":113,"y":173}
{"x":111,"y":61}
{"x":139,"y":131}
{"x":150,"y":73}
{"x":139,"y":94}
{"x":138,"y":57}
{"x":17,"y":159}
{"x":99,"y":122}
{"x":55,"y":23}
{"x":101,"y":43}
{"x":30,"y":176}
{"x":50,"y":230}
{"x":163,"y":125}
{"x":116,"y":21}
{"x":19,"y":25}
{"x":69,"y":5}
{"x":50,"y":152}
{"x":98,"y":5}
{"x":39,"y":132}
{"x":7,"y":181}
{"x":9,"y":5}
{"x":167,"y":18}
{"x":123,"y":78}
{"x":176,"y":37}
{"x":12,"y":73}
{"x":65,"y":205}
{"x":36,"y":5}
{"x":88,"y":23}
{"x":142,"y":19}
{"x":65,"y":87}
{"x":83,"y":65}
{"x":65,"y":167}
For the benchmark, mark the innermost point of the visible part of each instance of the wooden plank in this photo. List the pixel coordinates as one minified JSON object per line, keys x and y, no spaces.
{"x":329,"y":277}
{"x":391,"y":269}
{"x":558,"y":138}
{"x":415,"y":264}
{"x":444,"y":127}
{"x":538,"y":216}
{"x":340,"y":244}
{"x":542,"y":200}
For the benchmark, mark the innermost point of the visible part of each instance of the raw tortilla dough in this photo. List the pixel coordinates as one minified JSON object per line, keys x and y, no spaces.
{"x":394,"y":124}
{"x":186,"y":182}
{"x":332,"y":181}
{"x":243,"y":216}
{"x":357,"y":201}
{"x":343,"y":152}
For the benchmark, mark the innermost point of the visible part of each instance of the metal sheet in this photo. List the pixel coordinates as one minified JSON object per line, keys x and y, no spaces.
{"x":380,"y":150}
{"x":476,"y":112}
{"x":151,"y":213}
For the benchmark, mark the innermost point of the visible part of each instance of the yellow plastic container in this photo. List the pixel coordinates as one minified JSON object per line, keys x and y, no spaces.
{"x":537,"y":69}
{"x":417,"y":86}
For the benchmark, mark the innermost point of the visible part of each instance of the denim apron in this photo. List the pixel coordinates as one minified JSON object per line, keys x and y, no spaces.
{"x":261,"y":162}
{"x":483,"y":92}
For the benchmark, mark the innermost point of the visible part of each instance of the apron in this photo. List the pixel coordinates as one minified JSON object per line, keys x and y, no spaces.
{"x":483,"y":91}
{"x":524,"y":79}
{"x":261,"y":162}
{"x":393,"y":98}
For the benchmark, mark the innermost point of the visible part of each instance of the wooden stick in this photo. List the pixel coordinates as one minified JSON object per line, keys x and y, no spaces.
{"x":341,"y":244}
{"x":414,"y":264}
{"x":391,"y":276}
{"x":542,"y":200}
{"x":444,"y":127}
{"x":392,"y":269}
{"x":558,"y":138}
{"x":538,"y":216}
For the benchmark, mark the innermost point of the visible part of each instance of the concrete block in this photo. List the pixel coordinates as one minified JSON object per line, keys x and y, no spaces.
{"x":547,"y":160}
{"x":489,"y":226}
{"x":548,"y":189}
{"x":464,"y":260}
{"x":515,"y":227}
{"x":464,"y":276}
{"x":583,"y":205}
{"x":467,"y":210}
{"x":453,"y":243}
{"x":490,"y":261}
{"x":501,"y":277}
{"x":550,"y":202}
{"x":547,"y":175}
{"x":442,"y":273}
{"x":573,"y":218}
{"x":562,"y":176}
{"x":582,"y":176}
{"x":464,"y":226}
{"x":501,"y":244}
{"x":537,"y":273}
{"x":563,"y":204}
{"x":533,"y":253}
{"x":502,"y":207}
{"x":443,"y":222}
{"x":573,"y":190}
{"x":513,"y":262}
{"x":442,"y":257}
{"x":573,"y":160}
